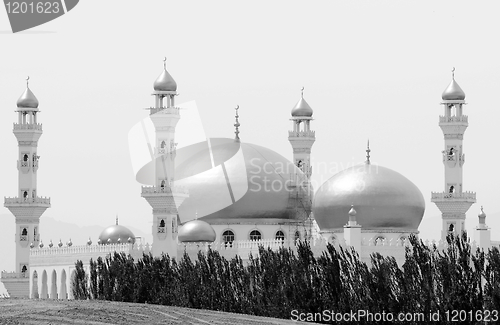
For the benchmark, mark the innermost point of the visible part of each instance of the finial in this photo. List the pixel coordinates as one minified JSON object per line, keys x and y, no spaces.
{"x":368,"y":152}
{"x":27,"y":81}
{"x":302,"y":92}
{"x":196,"y":215}
{"x":117,"y":220}
{"x":453,"y":73}
{"x":165,"y":63}
{"x":237,"y":125}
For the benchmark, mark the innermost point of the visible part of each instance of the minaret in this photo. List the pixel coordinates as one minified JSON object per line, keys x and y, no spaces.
{"x":163,"y":196}
{"x":301,"y":137}
{"x":352,"y":230}
{"x":27,"y":207}
{"x":482,"y":233}
{"x":453,"y":201}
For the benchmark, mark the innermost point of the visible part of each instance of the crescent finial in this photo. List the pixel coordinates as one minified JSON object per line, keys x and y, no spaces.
{"x":27,"y":81}
{"x":302,"y":92}
{"x":453,"y":73}
{"x":165,"y":63}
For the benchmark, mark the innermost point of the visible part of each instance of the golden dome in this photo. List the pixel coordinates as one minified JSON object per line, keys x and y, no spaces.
{"x":165,"y":82}
{"x":116,"y":234}
{"x":196,"y":231}
{"x":302,"y":108}
{"x":384,"y":199}
{"x":28,"y":100}
{"x":453,"y":92}
{"x":246,"y":181}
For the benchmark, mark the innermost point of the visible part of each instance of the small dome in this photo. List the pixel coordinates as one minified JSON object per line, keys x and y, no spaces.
{"x":116,"y":234}
{"x":453,"y":92}
{"x":302,"y":108}
{"x":165,"y":82}
{"x":27,"y":100}
{"x":197,"y":231}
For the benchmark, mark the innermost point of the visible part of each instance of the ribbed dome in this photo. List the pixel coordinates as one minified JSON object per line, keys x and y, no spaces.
{"x":165,"y":82}
{"x":453,"y":92}
{"x":111,"y":234}
{"x":383,"y":199}
{"x":196,"y":231}
{"x":27,"y":100}
{"x":302,"y":108}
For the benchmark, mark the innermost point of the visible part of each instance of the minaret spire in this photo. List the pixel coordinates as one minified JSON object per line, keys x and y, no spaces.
{"x":237,"y":125}
{"x":117,"y":220}
{"x":165,"y":63}
{"x":368,"y":152}
{"x":27,"y":82}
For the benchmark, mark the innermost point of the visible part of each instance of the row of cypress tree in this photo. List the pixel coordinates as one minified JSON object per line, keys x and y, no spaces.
{"x":275,"y":283}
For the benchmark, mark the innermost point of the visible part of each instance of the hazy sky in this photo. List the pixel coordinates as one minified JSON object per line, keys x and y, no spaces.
{"x":371,"y":69}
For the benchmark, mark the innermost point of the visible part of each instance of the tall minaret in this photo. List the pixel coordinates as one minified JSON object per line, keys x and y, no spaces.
{"x":27,"y":207}
{"x":163,"y":197}
{"x":301,"y":137}
{"x":454,"y":201}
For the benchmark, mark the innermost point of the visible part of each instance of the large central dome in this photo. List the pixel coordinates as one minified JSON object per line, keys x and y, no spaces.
{"x":383,"y":199}
{"x":232,"y":181}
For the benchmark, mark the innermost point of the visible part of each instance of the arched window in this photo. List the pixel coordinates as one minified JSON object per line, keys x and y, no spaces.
{"x":162,"y":184}
{"x":280,"y":235}
{"x":297,"y":235}
{"x":451,"y":228}
{"x":379,"y":240}
{"x":452,"y":189}
{"x":162,"y":144}
{"x":25,"y":158}
{"x":228,"y":237}
{"x":255,"y":235}
{"x":25,"y":194}
{"x":24,"y":232}
{"x":162,"y":223}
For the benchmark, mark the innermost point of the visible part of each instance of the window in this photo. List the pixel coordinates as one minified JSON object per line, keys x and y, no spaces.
{"x":228,"y":237}
{"x":162,"y":223}
{"x":25,"y":158}
{"x":280,"y":235}
{"x":255,"y":235}
{"x":25,"y":232}
{"x":451,"y":228}
{"x":297,"y":235}
{"x":379,"y":240}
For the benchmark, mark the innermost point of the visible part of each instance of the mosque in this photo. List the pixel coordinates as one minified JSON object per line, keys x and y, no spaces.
{"x":233,"y":196}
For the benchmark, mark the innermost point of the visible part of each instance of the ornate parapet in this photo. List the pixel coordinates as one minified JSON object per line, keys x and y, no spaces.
{"x":32,"y":126}
{"x":27,"y":201}
{"x":446,"y":197}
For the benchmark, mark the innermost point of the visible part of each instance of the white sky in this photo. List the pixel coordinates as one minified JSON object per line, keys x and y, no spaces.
{"x":371,"y":69}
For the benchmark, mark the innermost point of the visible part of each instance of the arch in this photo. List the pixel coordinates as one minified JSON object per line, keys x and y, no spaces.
{"x":280,"y":235}
{"x":255,"y":235}
{"x":162,"y":223}
{"x":34,"y":287}
{"x":63,"y":291}
{"x":451,"y":228}
{"x":71,"y":279}
{"x":297,"y":235}
{"x":25,"y":194}
{"x":25,"y":157}
{"x":379,"y":240}
{"x":228,"y":237}
{"x":24,"y":232}
{"x":53,"y":285}
{"x":44,"y":293}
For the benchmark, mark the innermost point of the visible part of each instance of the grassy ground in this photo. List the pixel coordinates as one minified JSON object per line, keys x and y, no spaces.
{"x":55,"y":312}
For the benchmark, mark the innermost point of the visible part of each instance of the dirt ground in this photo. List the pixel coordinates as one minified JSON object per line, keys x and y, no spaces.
{"x":55,"y":312}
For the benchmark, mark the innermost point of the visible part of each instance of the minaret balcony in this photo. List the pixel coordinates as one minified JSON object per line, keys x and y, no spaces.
{"x":161,"y":191}
{"x":28,"y":126}
{"x":27,"y":201}
{"x":464,"y":119}
{"x":301,"y":134}
{"x":164,"y":110}
{"x":456,"y":197}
